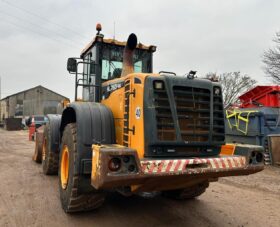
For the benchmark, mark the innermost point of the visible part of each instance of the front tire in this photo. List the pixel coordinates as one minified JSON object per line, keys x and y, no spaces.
{"x":187,"y":193}
{"x":71,"y":199}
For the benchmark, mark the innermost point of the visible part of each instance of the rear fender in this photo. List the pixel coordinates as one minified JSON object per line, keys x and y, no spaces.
{"x":54,"y":121}
{"x":95,"y":125}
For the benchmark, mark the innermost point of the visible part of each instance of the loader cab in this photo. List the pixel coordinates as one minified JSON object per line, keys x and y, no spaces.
{"x":101,"y":61}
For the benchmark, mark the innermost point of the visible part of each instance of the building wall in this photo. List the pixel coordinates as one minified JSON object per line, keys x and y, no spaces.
{"x":3,"y":110}
{"x":37,"y":101}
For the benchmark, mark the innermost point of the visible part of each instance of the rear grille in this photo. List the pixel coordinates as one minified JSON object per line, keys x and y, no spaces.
{"x":193,"y":110}
{"x":164,"y":119}
{"x":218,"y":119}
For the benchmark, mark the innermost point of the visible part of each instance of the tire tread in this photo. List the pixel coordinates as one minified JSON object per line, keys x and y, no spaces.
{"x":79,"y":202}
{"x":50,"y":164}
{"x":187,"y":193}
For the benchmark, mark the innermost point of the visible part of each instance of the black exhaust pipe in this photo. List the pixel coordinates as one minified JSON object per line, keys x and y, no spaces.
{"x":128,"y":66}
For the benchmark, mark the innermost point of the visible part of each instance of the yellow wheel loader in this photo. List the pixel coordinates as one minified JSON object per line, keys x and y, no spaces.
{"x":137,"y":131}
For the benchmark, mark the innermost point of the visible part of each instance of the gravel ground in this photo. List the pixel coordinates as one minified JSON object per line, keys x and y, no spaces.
{"x":29,"y":198}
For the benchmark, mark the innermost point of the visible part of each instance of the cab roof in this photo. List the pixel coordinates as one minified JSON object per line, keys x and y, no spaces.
{"x":99,"y":38}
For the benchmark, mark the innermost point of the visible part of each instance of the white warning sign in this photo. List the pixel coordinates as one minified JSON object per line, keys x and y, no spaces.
{"x":137,"y":112}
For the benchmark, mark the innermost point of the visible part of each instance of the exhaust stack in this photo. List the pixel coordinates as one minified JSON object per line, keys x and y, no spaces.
{"x":128,"y":66}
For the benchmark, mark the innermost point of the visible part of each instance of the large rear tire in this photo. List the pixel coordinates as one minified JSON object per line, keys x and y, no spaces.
{"x":187,"y":193}
{"x":71,"y":199}
{"x":49,"y":157}
{"x":37,"y":157}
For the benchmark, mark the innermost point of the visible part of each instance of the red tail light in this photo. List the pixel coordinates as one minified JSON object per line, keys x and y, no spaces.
{"x":114,"y":164}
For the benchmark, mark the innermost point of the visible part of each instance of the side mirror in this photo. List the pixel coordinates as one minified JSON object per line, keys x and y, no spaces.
{"x":72,"y":65}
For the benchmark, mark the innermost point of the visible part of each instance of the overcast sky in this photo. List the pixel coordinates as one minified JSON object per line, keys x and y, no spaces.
{"x":37,"y":37}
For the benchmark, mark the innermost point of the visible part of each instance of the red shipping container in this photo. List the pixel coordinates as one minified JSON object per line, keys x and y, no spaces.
{"x":267,"y":96}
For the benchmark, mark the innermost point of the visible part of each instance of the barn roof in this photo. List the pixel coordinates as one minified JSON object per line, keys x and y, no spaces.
{"x":39,"y":86}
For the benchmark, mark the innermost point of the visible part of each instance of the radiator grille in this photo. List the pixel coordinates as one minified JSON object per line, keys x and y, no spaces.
{"x":164,"y":119}
{"x":193,"y":110}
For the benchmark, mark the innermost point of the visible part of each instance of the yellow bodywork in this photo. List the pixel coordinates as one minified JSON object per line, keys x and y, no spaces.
{"x":65,"y":103}
{"x":95,"y":161}
{"x":116,"y":102}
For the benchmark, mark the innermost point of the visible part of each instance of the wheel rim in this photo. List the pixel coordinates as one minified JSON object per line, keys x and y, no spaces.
{"x":64,"y":167}
{"x":44,"y":149}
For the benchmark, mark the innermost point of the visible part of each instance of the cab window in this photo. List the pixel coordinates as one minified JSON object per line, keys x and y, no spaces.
{"x":112,"y":58}
{"x":113,"y":69}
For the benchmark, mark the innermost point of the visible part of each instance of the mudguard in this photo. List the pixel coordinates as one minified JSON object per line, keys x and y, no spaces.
{"x":54,"y":123}
{"x":95,"y":125}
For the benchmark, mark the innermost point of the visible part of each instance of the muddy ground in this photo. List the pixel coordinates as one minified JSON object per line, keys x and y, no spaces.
{"x":29,"y":198}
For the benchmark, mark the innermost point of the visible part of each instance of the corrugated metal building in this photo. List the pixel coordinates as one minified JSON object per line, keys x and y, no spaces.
{"x":34,"y":101}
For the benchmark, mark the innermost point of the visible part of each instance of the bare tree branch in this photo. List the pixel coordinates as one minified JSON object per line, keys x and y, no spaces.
{"x":271,"y":59}
{"x":233,"y":84}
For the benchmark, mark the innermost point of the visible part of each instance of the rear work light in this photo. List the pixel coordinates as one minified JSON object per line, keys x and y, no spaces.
{"x":217,"y":91}
{"x":158,"y":85}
